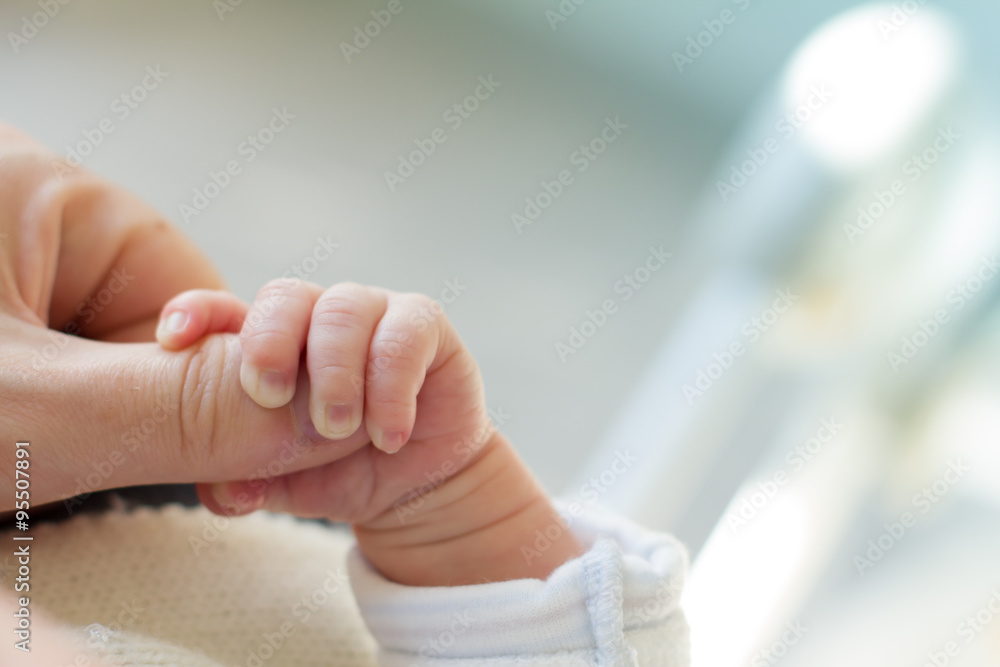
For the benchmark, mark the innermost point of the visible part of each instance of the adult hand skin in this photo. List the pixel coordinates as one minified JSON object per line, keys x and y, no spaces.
{"x":108,"y":407}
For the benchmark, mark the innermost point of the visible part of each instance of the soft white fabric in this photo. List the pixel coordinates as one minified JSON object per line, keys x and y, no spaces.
{"x":181,"y":587}
{"x":617,"y":605}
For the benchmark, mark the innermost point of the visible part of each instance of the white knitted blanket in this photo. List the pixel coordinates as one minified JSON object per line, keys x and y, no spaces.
{"x":184,"y":587}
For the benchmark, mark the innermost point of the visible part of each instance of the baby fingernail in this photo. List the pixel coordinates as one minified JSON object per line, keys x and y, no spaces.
{"x":175,"y":321}
{"x":338,"y":420}
{"x":268,"y":387}
{"x":392,"y":442}
{"x":274,"y":388}
{"x":236,"y":498}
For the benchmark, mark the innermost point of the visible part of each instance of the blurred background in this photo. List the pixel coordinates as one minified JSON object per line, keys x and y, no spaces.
{"x":728,"y":267}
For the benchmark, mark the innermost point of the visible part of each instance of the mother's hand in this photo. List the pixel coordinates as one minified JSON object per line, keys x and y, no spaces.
{"x":85,"y":268}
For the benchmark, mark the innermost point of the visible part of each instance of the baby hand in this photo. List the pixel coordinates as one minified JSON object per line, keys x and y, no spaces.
{"x":434,"y":493}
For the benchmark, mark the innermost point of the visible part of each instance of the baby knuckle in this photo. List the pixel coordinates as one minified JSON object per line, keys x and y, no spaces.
{"x":279,"y":287}
{"x":426,"y":304}
{"x":339,"y":311}
{"x":393,"y":406}
{"x":393,"y":350}
{"x":332,"y":368}
{"x":262,"y":338}
{"x":425,"y":312}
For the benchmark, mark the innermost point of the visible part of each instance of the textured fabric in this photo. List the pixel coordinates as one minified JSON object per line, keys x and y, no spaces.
{"x":228,"y":590}
{"x":116,"y":647}
{"x":615,"y":606}
{"x":183,"y":587}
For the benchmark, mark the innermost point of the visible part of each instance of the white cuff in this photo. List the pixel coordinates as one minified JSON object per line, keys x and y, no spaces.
{"x":615,"y":605}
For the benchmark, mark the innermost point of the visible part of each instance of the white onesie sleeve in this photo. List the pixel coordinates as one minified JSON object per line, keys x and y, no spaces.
{"x":614,"y":606}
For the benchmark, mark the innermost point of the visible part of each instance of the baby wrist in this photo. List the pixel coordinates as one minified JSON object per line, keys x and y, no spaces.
{"x":480,"y":525}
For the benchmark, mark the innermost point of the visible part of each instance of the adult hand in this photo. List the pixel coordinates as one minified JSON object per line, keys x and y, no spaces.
{"x":85,"y":269}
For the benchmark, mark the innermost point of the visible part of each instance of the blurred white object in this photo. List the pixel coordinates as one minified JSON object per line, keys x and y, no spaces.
{"x":885,"y":67}
{"x":887,"y":84}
